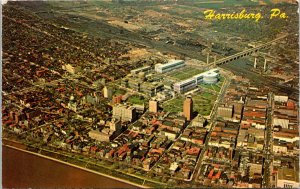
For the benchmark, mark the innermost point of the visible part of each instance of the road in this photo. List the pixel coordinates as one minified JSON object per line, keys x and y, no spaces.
{"x":268,"y":152}
{"x":212,"y":124}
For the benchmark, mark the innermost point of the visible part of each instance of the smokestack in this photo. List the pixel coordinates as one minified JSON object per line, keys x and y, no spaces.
{"x":255,"y":62}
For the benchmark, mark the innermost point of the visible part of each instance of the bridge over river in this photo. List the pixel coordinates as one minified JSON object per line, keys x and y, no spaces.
{"x":245,"y":53}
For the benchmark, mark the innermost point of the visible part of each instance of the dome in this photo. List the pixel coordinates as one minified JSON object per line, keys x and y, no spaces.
{"x":210,"y":78}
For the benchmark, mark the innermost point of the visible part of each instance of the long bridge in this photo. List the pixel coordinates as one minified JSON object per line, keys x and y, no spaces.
{"x":245,"y":53}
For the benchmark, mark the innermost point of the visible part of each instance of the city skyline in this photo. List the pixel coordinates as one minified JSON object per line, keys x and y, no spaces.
{"x":138,"y":95}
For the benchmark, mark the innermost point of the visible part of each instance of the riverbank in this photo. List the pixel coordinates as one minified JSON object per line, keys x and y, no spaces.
{"x":24,"y":169}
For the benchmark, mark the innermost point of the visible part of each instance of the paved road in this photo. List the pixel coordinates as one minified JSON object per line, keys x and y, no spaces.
{"x":212,"y":124}
{"x":268,"y":152}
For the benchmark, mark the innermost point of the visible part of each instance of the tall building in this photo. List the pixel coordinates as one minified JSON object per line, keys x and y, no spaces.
{"x":107,"y":92}
{"x":188,"y":108}
{"x":153,"y":106}
{"x":124,"y":113}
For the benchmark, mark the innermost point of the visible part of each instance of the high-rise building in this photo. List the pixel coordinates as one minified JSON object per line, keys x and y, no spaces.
{"x":124,"y":113}
{"x":188,"y":108}
{"x":153,"y":106}
{"x":107,"y":92}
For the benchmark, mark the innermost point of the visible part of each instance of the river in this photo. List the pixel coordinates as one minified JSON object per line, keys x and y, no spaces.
{"x":24,"y":170}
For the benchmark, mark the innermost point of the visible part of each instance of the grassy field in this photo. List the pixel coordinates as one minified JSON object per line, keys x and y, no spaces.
{"x":119,"y":92}
{"x":213,"y":87}
{"x":202,"y":102}
{"x":174,"y":105}
{"x":184,"y":73}
{"x":136,"y":100}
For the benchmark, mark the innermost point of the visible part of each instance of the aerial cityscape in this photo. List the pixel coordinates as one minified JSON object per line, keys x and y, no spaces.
{"x":151,"y":94}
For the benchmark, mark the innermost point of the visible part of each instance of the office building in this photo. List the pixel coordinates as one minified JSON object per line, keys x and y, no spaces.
{"x":185,"y":86}
{"x":107,"y":92}
{"x":188,"y":108}
{"x":171,"y":65}
{"x":153,"y":106}
{"x":144,"y":69}
{"x":124,"y":113}
{"x":208,"y":77}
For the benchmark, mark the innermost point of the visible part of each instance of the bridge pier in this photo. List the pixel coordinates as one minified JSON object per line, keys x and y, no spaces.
{"x":215,"y":60}
{"x":255,"y":63}
{"x":265,"y":65}
{"x":207,"y":59}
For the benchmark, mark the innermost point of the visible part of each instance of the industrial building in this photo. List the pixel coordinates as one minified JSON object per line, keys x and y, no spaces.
{"x":184,"y":86}
{"x":171,"y":65}
{"x":124,"y":113}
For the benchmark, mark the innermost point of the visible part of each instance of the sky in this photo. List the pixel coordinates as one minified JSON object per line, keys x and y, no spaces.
{"x":3,"y":2}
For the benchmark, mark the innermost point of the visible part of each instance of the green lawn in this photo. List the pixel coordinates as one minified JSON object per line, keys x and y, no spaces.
{"x":136,"y":100}
{"x":185,"y":73}
{"x":202,"y":103}
{"x":214,"y":87}
{"x":174,"y":105}
{"x":119,"y":92}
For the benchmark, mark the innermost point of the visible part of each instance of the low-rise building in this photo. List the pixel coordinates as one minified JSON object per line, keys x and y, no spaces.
{"x":287,"y":178}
